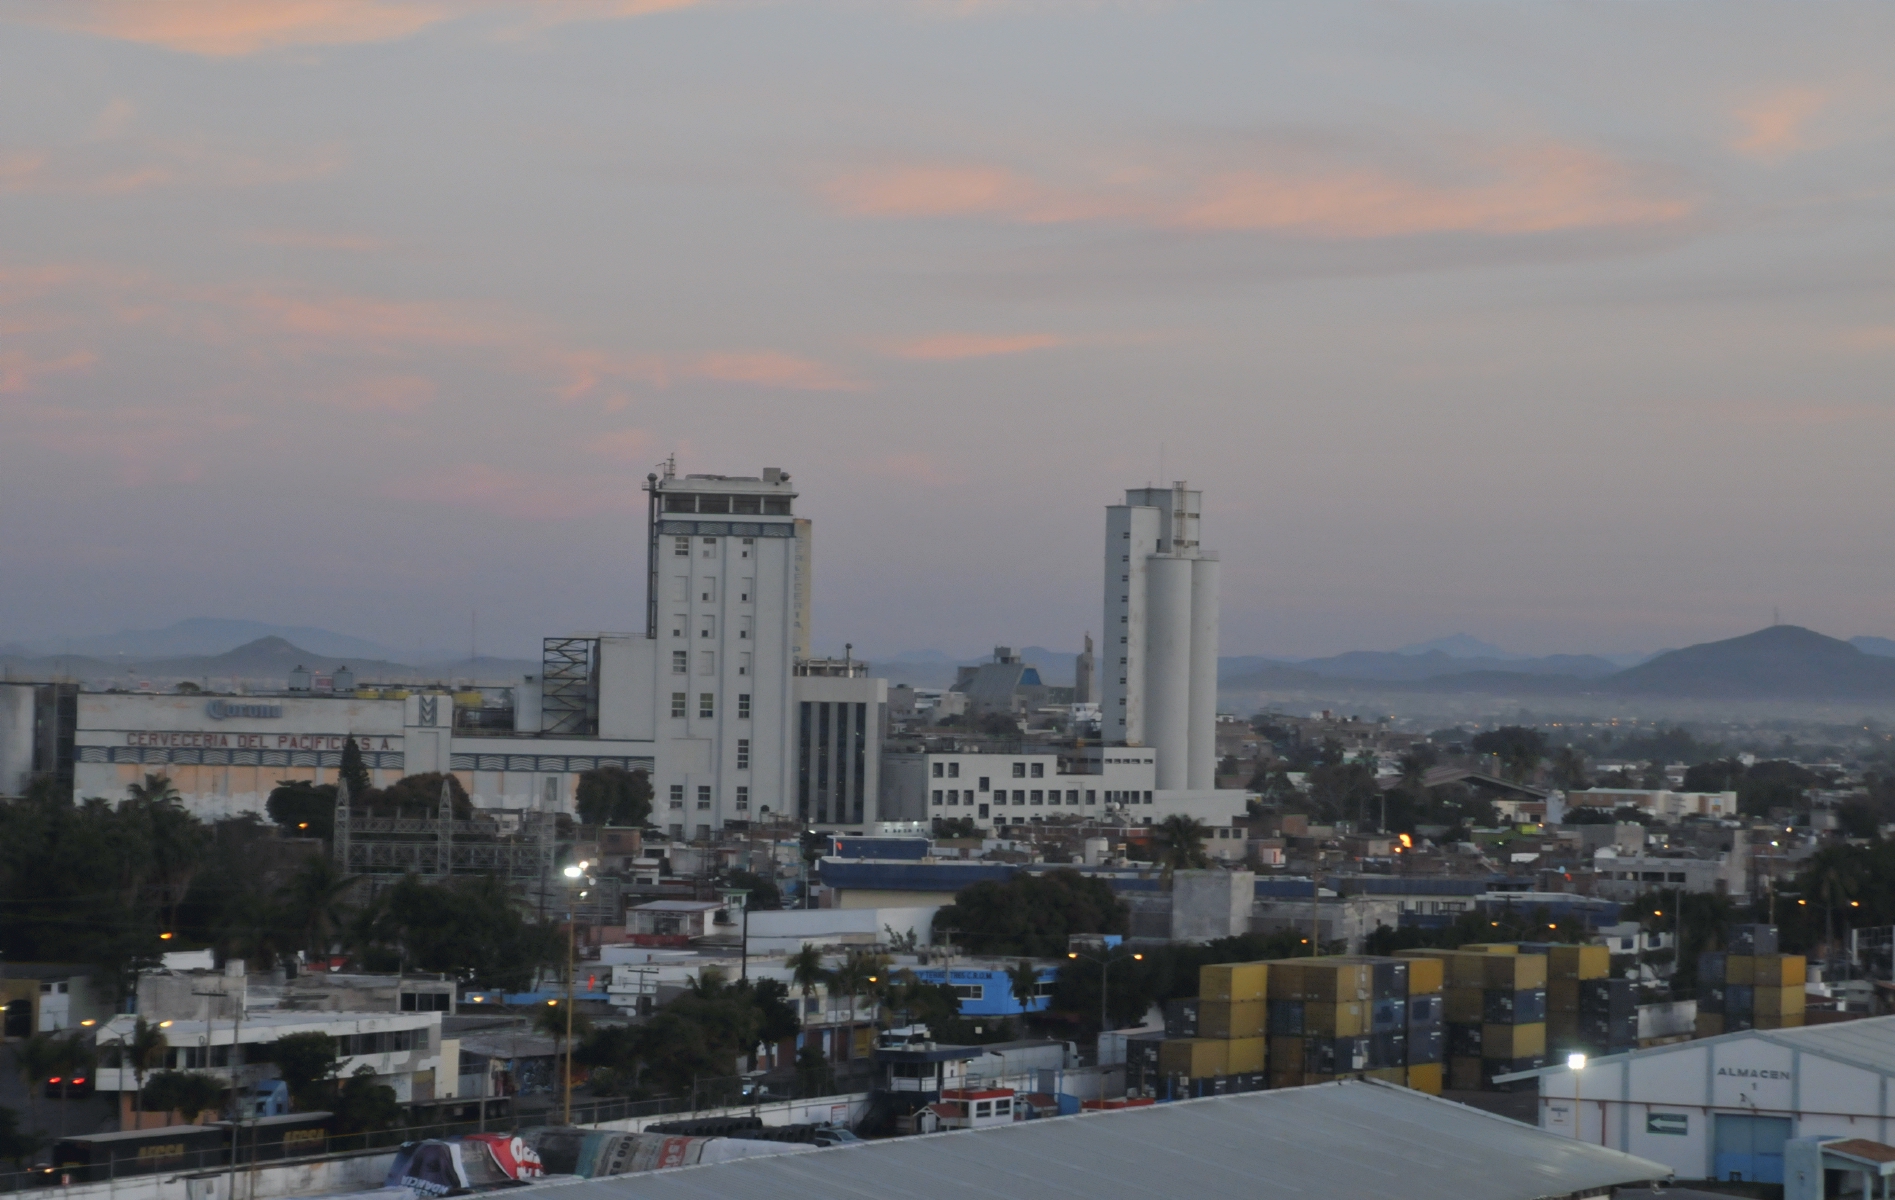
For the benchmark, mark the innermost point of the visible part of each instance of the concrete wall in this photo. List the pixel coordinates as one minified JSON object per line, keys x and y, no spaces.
{"x":16,"y":738}
{"x":1206,"y":905}
{"x":788,"y":930}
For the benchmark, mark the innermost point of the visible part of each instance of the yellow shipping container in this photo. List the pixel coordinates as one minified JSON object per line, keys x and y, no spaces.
{"x":1777,"y":1001}
{"x":1285,"y":981}
{"x":1395,"y":1075}
{"x":1514,"y":972}
{"x":1286,"y":1079}
{"x":1335,"y":1020}
{"x":1286,"y":1054}
{"x":1513,"y":1041}
{"x":1464,"y":1073}
{"x":1781,"y":970}
{"x":1232,"y":1018}
{"x":1740,"y":969}
{"x":1710,"y":1024}
{"x":1462,"y":1006}
{"x":1328,"y":980}
{"x":1244,"y":1055}
{"x":1491,"y":948}
{"x":1194,"y":1058}
{"x":1425,"y":1077}
{"x":1578,"y":962}
{"x":1426,"y":976}
{"x":1233,"y":981}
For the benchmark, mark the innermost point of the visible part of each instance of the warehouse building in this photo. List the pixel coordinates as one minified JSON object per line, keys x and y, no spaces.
{"x":1723,"y":1107}
{"x":1343,"y":1140}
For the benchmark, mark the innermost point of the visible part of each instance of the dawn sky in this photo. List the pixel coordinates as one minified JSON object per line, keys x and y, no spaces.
{"x":1571,"y":326}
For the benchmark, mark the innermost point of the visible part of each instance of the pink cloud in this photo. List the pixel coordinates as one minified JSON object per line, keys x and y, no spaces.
{"x":1773,"y":124}
{"x":1535,"y":188}
{"x":914,"y":468}
{"x":19,"y":370}
{"x":385,"y":394}
{"x":622,"y":445}
{"x":233,"y":28}
{"x":770,"y":368}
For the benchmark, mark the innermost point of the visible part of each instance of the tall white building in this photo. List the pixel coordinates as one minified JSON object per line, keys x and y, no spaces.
{"x":727,"y":614}
{"x":1157,"y":667}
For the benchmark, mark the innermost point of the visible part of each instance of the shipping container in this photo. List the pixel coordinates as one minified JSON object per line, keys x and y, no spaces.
{"x":1426,"y":976}
{"x":1286,"y":1054}
{"x":1328,"y":980}
{"x":1231,"y":1018}
{"x":1388,"y":979}
{"x":95,"y":1158}
{"x":1776,"y":1002}
{"x":1711,"y":966}
{"x":1515,"y":972}
{"x":1335,"y":1056}
{"x":1782,"y":970}
{"x":1739,"y":998}
{"x":1464,"y":1074}
{"x":1709,"y":1024}
{"x":1234,"y":981}
{"x":1427,"y":1045}
{"x":1285,"y":1018}
{"x":1611,"y":997}
{"x":1388,"y":1050}
{"x":1284,"y":980}
{"x":1395,"y":1075}
{"x":1523,"y":1007}
{"x":1464,"y":1041}
{"x":1181,"y":1018}
{"x":1335,"y":1019}
{"x":1578,"y":962}
{"x":1464,"y":1005}
{"x":1562,"y":995}
{"x":1513,"y":1041}
{"x":1754,"y":939}
{"x":1389,"y":1013}
{"x":1788,"y":1020}
{"x":1492,"y":948}
{"x":1194,"y":1058}
{"x":1424,"y":1011}
{"x":1245,"y":1055}
{"x":1425,"y":1077}
{"x":1740,"y":969}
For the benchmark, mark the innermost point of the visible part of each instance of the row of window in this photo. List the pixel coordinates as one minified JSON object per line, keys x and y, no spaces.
{"x":707,"y":705}
{"x":707,"y":625}
{"x":706,"y":502}
{"x":953,"y":796}
{"x":742,"y":797}
{"x":706,"y":662}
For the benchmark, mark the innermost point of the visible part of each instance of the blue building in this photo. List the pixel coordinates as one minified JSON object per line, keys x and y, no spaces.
{"x":985,"y":990}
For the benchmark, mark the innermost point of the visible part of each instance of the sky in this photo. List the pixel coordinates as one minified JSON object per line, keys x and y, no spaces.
{"x":1569,"y":326}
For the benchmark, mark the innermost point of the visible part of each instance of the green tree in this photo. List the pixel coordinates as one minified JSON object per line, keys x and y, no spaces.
{"x":313,"y":903}
{"x":16,"y":1146}
{"x":364,"y":1106}
{"x":1569,"y":768}
{"x":154,"y":789}
{"x":1034,"y":913}
{"x":814,"y":1075}
{"x":353,"y":770}
{"x":614,"y":796}
{"x":35,"y":1060}
{"x":466,"y":926}
{"x":1518,"y":748}
{"x":807,"y":970}
{"x":145,"y":1049}
{"x":186,"y":1093}
{"x":1023,"y":980}
{"x":303,"y":809}
{"x":764,"y":894}
{"x":1180,"y":843}
{"x":777,"y":1017}
{"x":306,"y":1062}
{"x":420,"y":796}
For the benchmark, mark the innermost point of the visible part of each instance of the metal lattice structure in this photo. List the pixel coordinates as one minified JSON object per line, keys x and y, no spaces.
{"x":569,"y":686}
{"x":388,"y":848}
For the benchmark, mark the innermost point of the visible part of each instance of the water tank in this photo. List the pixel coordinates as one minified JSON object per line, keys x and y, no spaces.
{"x":1202,"y":773}
{"x":344,"y":680}
{"x":299,"y":679}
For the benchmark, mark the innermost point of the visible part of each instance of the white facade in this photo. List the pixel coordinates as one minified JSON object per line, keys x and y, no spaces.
{"x":840,"y":718}
{"x":1105,"y":783}
{"x":1723,"y":1105}
{"x":1157,"y":671}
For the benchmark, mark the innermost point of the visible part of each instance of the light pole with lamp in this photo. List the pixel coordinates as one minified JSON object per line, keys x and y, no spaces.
{"x":1576,"y":1063}
{"x":741,"y":898}
{"x":575,"y":874}
{"x":1105,"y":964}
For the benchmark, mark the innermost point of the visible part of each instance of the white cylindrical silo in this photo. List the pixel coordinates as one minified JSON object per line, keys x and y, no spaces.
{"x":1202,"y":737}
{"x":1168,"y":667}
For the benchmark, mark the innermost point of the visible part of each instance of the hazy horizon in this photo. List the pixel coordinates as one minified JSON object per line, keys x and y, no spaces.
{"x":1562,"y":326}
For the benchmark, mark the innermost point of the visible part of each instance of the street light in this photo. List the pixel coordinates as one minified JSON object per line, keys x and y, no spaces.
{"x":1105,"y":963}
{"x":1576,"y":1062}
{"x":741,"y":898}
{"x":574,"y":873}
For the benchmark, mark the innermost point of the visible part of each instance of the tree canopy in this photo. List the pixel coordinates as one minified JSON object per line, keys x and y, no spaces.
{"x":614,"y":796}
{"x":1032,"y":914}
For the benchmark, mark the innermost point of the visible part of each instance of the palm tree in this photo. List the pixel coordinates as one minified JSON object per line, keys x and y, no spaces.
{"x":156,"y":789}
{"x":313,"y":903}
{"x":147,"y":1048}
{"x":858,"y":973}
{"x":1180,"y":841}
{"x":1023,"y":979}
{"x":807,"y":971}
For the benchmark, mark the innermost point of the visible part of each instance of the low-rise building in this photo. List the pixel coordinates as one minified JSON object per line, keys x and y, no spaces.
{"x":1668,"y":806}
{"x":1623,"y":876}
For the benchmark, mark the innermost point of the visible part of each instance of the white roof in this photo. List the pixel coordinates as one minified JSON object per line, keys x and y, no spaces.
{"x":1347,"y":1139}
{"x":1868,"y":1043}
{"x":678,"y":906}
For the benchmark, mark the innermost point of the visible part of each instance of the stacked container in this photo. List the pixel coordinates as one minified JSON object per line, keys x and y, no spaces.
{"x":1231,"y":1008}
{"x":1427,"y":1026}
{"x":1320,"y":1019}
{"x":1495,"y":1003}
{"x":1750,"y":991}
{"x":1586,"y":1009}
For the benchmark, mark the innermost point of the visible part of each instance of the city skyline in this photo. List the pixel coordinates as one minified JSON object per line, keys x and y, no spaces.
{"x":1560,"y":327}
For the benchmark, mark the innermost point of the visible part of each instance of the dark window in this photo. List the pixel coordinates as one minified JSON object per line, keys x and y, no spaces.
{"x":713,"y":504}
{"x":777,"y":505}
{"x":746,"y":504}
{"x":681,"y":502}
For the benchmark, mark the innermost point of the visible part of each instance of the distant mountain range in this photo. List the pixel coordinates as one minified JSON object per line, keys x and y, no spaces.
{"x":265,"y":660}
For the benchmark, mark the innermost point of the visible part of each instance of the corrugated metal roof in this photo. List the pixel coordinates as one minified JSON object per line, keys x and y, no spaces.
{"x":1868,"y":1043}
{"x":1331,"y":1140}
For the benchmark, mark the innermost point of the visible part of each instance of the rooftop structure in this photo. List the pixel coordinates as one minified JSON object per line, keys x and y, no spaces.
{"x":1344,"y":1140}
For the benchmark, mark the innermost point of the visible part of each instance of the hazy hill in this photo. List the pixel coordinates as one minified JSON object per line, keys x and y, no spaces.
{"x":1881,"y":647}
{"x":1782,"y":661}
{"x":200,"y":636}
{"x":1395,"y":666}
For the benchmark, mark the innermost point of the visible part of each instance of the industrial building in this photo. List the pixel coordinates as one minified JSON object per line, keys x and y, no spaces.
{"x":1343,"y":1139}
{"x":1724,"y":1107}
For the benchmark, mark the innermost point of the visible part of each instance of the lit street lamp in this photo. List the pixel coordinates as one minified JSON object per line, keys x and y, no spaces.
{"x":575,"y":874}
{"x":1576,"y":1063}
{"x":1105,"y":963}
